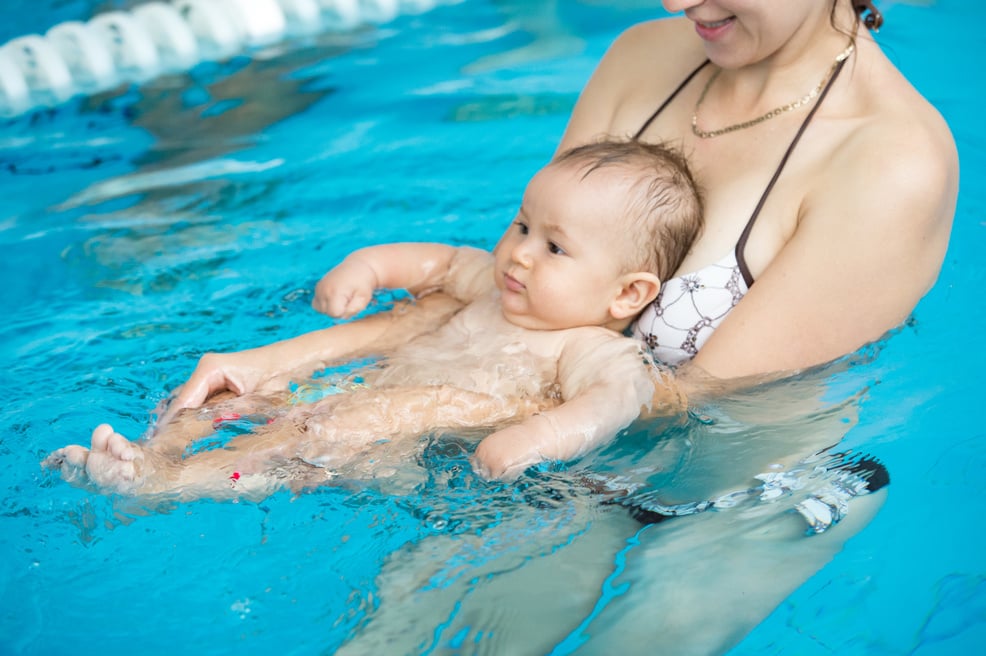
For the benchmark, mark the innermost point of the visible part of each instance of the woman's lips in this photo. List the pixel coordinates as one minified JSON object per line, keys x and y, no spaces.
{"x":711,"y":30}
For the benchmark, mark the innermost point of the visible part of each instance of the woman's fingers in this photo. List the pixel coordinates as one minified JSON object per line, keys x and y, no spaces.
{"x":210,"y":376}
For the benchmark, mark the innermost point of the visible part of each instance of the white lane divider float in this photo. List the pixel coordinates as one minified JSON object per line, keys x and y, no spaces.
{"x":158,"y":37}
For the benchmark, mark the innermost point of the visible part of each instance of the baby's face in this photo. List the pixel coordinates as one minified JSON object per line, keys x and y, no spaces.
{"x":559,"y":264}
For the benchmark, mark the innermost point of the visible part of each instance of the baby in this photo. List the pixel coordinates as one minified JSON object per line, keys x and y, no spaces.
{"x":536,"y":353}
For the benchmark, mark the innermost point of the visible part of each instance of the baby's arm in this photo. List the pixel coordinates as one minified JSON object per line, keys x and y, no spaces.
{"x":606,"y":382}
{"x":420,"y":268}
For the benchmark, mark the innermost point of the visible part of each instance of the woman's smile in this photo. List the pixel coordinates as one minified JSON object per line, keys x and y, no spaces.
{"x":711,"y":30}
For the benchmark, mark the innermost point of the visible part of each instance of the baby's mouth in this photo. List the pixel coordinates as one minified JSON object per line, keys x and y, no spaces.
{"x":512,"y":284}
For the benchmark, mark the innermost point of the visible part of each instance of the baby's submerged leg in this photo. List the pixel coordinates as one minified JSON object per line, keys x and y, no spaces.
{"x":116,"y":464}
{"x":70,"y":461}
{"x":252,"y":465}
{"x":342,"y":427}
{"x":194,"y":424}
{"x":109,"y":462}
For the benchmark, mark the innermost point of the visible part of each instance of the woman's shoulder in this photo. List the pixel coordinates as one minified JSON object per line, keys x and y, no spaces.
{"x":887,"y":187}
{"x":887,"y":94}
{"x":640,"y":68}
{"x":901,"y":139}
{"x":674,"y":35}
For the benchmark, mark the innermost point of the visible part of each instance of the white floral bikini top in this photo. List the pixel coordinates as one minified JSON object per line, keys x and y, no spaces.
{"x":690,"y":307}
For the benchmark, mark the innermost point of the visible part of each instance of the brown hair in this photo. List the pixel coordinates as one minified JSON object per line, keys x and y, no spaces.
{"x":668,"y":210}
{"x":868,"y":13}
{"x":865,"y":12}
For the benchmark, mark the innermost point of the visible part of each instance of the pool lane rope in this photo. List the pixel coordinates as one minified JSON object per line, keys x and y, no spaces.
{"x":77,"y":57}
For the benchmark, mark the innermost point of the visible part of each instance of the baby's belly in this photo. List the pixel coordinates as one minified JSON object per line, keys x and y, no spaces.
{"x":506,"y":370}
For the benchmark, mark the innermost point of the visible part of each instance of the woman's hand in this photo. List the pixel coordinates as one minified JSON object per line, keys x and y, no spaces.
{"x":216,"y":372}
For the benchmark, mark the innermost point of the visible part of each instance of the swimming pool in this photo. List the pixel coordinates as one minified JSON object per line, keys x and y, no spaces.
{"x":145,"y":226}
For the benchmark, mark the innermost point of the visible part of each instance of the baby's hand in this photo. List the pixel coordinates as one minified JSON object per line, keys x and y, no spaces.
{"x":505,"y":454}
{"x":346,"y":290}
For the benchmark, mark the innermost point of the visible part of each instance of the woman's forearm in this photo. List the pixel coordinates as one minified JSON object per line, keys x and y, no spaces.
{"x":272,"y":365}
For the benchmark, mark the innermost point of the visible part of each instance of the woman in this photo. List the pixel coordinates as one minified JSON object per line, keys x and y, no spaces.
{"x":830,"y":186}
{"x":869,"y":186}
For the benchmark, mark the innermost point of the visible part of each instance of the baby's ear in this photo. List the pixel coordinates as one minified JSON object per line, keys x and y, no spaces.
{"x":637,"y":290}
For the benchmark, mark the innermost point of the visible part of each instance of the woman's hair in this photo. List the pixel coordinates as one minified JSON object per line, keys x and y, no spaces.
{"x":665,"y":209}
{"x":868,"y":13}
{"x":865,"y":12}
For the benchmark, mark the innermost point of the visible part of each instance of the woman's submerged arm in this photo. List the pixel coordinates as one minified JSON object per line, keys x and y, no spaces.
{"x":271,"y":366}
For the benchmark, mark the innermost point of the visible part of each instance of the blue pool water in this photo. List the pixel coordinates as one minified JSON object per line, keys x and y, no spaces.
{"x":144,"y":226}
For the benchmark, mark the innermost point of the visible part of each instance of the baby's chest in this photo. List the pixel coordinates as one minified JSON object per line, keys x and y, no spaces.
{"x":485,"y":354}
{"x":500,"y":362}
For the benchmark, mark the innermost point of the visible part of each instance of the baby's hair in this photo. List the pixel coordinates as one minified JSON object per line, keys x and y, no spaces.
{"x":667,"y":212}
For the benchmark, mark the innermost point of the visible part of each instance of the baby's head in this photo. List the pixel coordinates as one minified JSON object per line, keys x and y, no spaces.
{"x":599,"y":228}
{"x":661,"y":212}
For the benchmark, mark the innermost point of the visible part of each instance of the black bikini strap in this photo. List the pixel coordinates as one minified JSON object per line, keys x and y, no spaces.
{"x":741,"y":244}
{"x":669,"y":99}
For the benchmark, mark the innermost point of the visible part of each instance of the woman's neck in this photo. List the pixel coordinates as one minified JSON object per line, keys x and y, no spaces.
{"x":793,"y":71}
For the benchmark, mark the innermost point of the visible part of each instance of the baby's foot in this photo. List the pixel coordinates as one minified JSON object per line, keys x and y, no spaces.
{"x":114,"y":462}
{"x":70,"y":461}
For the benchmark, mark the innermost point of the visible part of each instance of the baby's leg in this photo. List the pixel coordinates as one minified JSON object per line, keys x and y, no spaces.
{"x":168,"y":440}
{"x":70,"y":461}
{"x":112,"y":461}
{"x":193,"y":424}
{"x":252,"y":465}
{"x":342,"y":427}
{"x":339,"y":429}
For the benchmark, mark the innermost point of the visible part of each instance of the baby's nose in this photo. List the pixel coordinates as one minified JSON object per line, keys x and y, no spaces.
{"x":521,"y":253}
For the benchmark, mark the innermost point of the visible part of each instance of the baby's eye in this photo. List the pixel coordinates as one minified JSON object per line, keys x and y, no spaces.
{"x":555,"y":249}
{"x":522,"y":227}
